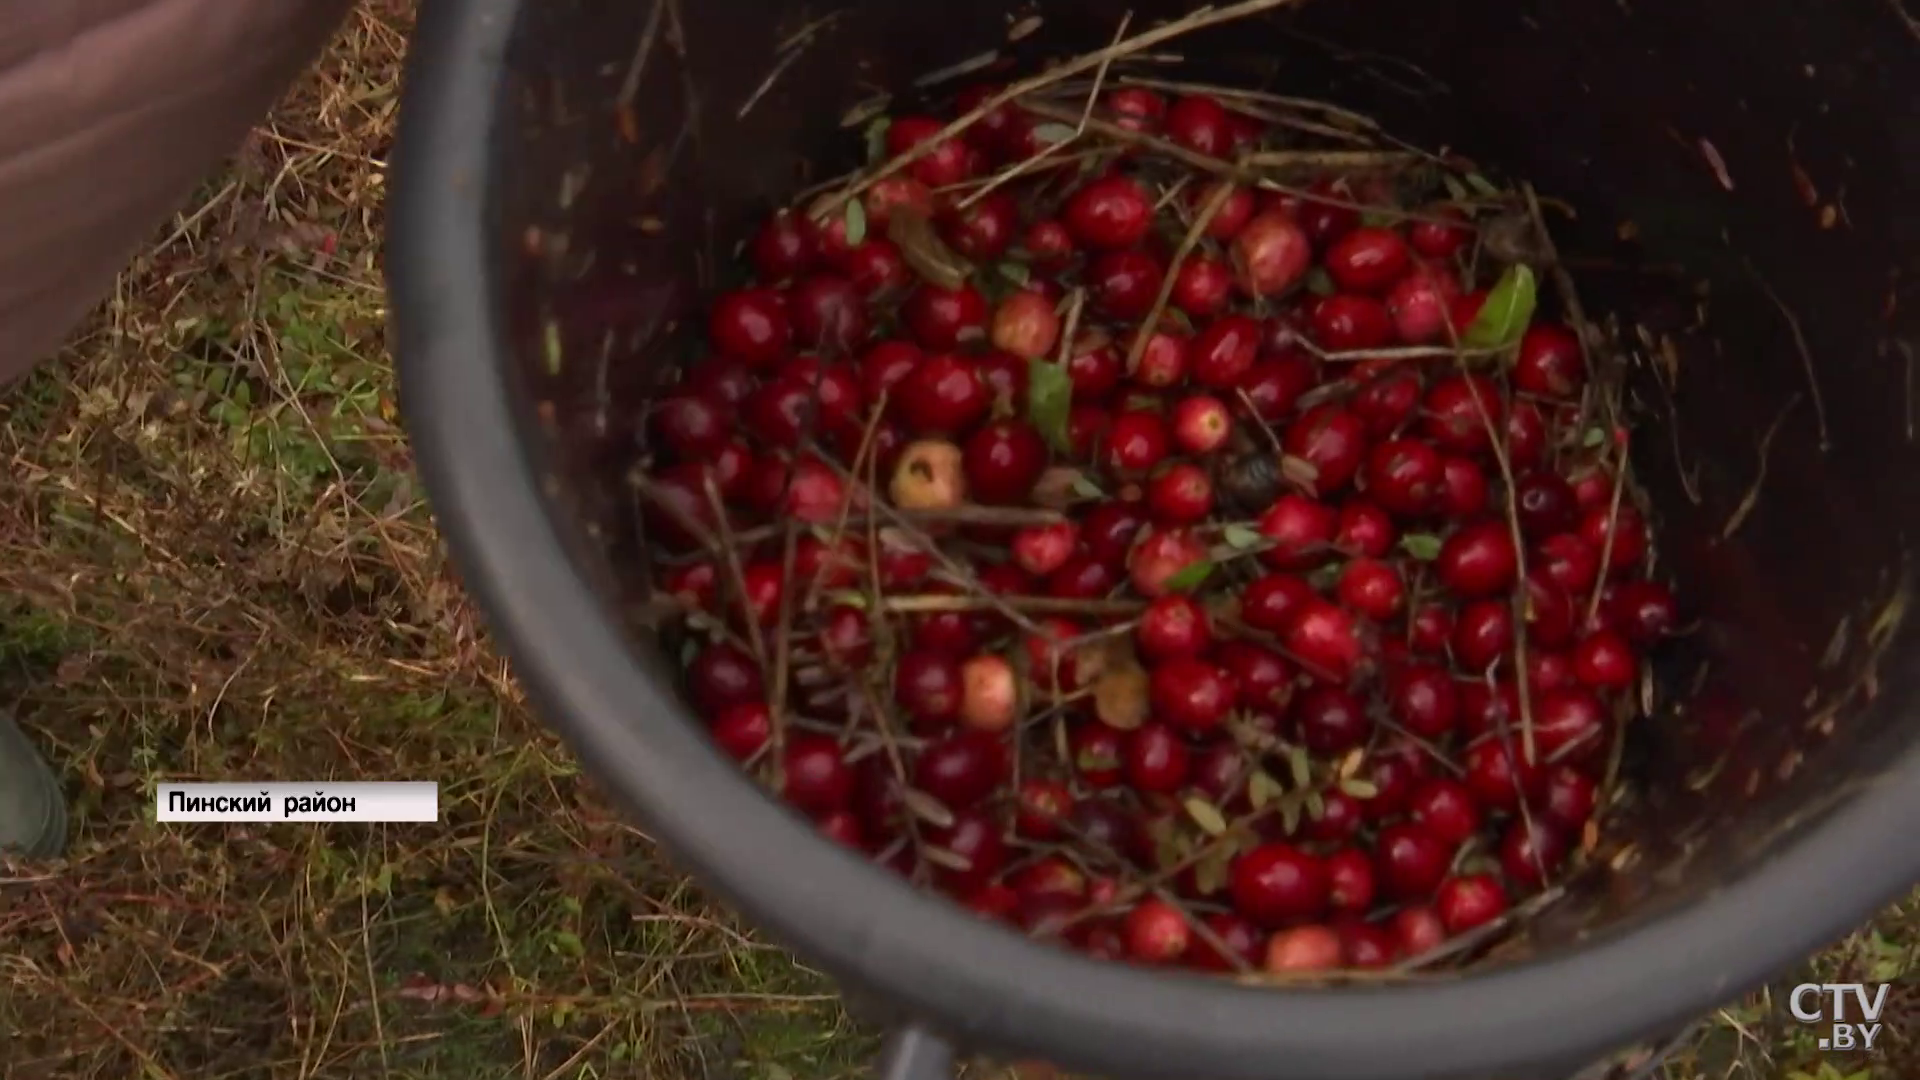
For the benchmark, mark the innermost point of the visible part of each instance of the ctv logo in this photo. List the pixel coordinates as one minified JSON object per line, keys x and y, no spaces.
{"x":1855,"y":1016}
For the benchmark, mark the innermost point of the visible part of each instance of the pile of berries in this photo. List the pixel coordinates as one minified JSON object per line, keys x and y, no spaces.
{"x":1177,"y":563}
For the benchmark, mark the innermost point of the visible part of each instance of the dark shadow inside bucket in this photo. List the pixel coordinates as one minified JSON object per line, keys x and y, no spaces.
{"x":1744,"y":175}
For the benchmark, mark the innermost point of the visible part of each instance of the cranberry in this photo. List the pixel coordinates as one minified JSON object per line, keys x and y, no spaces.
{"x":1419,"y":304}
{"x":815,"y":777}
{"x":1048,"y":244}
{"x":1545,"y":504}
{"x":1604,"y":660}
{"x":1125,"y":284}
{"x":1567,"y":798}
{"x":1274,"y":884}
{"x":1163,"y":360}
{"x":1459,"y":409}
{"x":1181,"y":494}
{"x":726,"y":379}
{"x":1372,"y":588}
{"x":1478,"y":560}
{"x":815,"y":494}
{"x":1463,"y":492}
{"x":1365,"y":946}
{"x":1109,"y":214}
{"x":1350,"y":885}
{"x":992,"y":130}
{"x":961,"y":769}
{"x":1548,"y":670}
{"x":1430,"y":629}
{"x":1569,"y":725}
{"x":751,"y":324}
{"x":1325,"y":221}
{"x":1201,"y":424}
{"x":1548,"y":362}
{"x":929,"y":687}
{"x":722,"y":676}
{"x":1109,"y":530}
{"x":877,"y":268}
{"x":1324,"y":638}
{"x":1624,"y":531}
{"x":1411,"y":861}
{"x":974,"y":839}
{"x":1042,"y":549}
{"x":782,"y":248}
{"x":1488,"y":709}
{"x":1438,"y":241}
{"x":1097,"y":754}
{"x":1530,"y":851}
{"x":1094,"y":367}
{"x":1191,"y":694}
{"x":1026,"y":325}
{"x":1568,"y":562}
{"x":943,"y":319}
{"x":982,"y":232}
{"x":1482,"y":634}
{"x":1418,"y":930}
{"x":1241,"y":939}
{"x":1157,"y":932}
{"x":1422,"y":698}
{"x":944,"y":395}
{"x":884,"y":365}
{"x":1137,"y":441}
{"x":781,"y":411}
{"x":1364,"y":529}
{"x":990,"y":694}
{"x":1304,"y":948}
{"x":828,"y":312}
{"x":1388,"y":401}
{"x":946,"y":162}
{"x":1331,"y":720}
{"x":1172,"y":626}
{"x":1041,"y":807}
{"x":1273,"y":386}
{"x":1224,"y":352}
{"x":1301,"y":530}
{"x":1446,"y":808}
{"x":1157,"y":761}
{"x":1201,"y":124}
{"x":1271,"y":255}
{"x":742,"y":730}
{"x":1232,"y":214}
{"x":1405,"y":476}
{"x":1468,"y":902}
{"x":1499,"y":774}
{"x":1368,"y":260}
{"x":1082,"y":578}
{"x":697,"y":584}
{"x":1338,"y":820}
{"x":1269,"y":603}
{"x":1137,"y":108}
{"x":1051,"y":660}
{"x":1087,"y":428}
{"x":1333,"y":441}
{"x":1202,"y":286}
{"x":893,"y":193}
{"x":1003,"y":462}
{"x":1644,"y":610}
{"x":693,"y":426}
{"x":1264,"y":678}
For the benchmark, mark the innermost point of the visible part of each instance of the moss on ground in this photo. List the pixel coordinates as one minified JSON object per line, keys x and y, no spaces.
{"x":215,"y":563}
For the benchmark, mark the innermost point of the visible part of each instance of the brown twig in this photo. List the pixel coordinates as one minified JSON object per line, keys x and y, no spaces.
{"x":928,"y":603}
{"x":1221,"y":193}
{"x":1198,"y":20}
{"x":1752,"y":497}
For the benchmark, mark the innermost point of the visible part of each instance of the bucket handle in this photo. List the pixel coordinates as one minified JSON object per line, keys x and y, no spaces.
{"x":914,"y":1053}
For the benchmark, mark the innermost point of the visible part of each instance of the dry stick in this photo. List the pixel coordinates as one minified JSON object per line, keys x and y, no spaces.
{"x":1519,"y":600}
{"x":1222,"y":168}
{"x":1047,"y":605}
{"x":1752,"y":497}
{"x":1020,"y":168}
{"x":1201,"y":19}
{"x":1328,"y":159}
{"x":1806,"y":354}
{"x":1016,"y":517}
{"x":736,"y":575}
{"x":1410,"y":352}
{"x":1201,"y":220}
{"x":846,"y":504}
{"x":1175,"y":86}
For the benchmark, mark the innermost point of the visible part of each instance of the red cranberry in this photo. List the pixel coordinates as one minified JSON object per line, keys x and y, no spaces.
{"x":992,"y":130}
{"x":1026,"y":325}
{"x":1488,"y":709}
{"x":1548,"y":670}
{"x":1230,"y":216}
{"x":1438,"y":241}
{"x":1082,"y":578}
{"x":982,"y":232}
{"x":1545,"y":504}
{"x":1324,"y":220}
{"x":1478,"y":560}
{"x":726,"y":379}
{"x":1463,"y":492}
{"x":828,"y":312}
{"x":1264,"y":678}
{"x":1567,"y":798}
{"x":1350,"y":881}
{"x":1048,"y":244}
{"x":961,"y":769}
{"x":946,"y":163}
{"x":1405,"y":476}
{"x":1202,"y":286}
{"x":1645,"y":610}
{"x":1201,"y":424}
{"x":1331,"y":720}
{"x":1372,"y":588}
{"x":782,"y":248}
{"x":894,"y":193}
{"x":1003,"y":462}
{"x":1430,"y":629}
{"x":1172,"y":626}
{"x":781,"y":412}
{"x":1468,"y":902}
{"x":1241,"y":939}
{"x":974,"y":839}
{"x":815,"y":777}
{"x":1051,"y":658}
{"x":1301,"y":530}
{"x":815,"y":494}
{"x":1324,"y":638}
{"x":1411,"y":861}
{"x":742,"y":730}
{"x":1531,"y":851}
{"x":944,"y":319}
{"x":692,"y":426}
{"x":1191,"y":694}
{"x":1626,"y":531}
{"x":1087,"y":428}
{"x":1338,"y":820}
{"x":884,"y":365}
{"x":1157,"y":932}
{"x":877,"y":268}
{"x":1419,"y":305}
{"x":1458,"y":411}
{"x":722,"y":676}
{"x":1097,"y":754}
{"x":1569,"y":725}
{"x":1273,"y":386}
{"x":1604,"y":660}
{"x":1333,"y":441}
{"x":1157,"y":761}
{"x":751,"y":324}
{"x":1364,"y":529}
{"x":1094,"y":367}
{"x":1136,"y":108}
{"x":1224,"y":352}
{"x":1347,"y":322}
{"x":1125,"y":284}
{"x":1418,"y":930}
{"x":1109,"y":214}
{"x":1270,"y":603}
{"x":1568,"y":562}
{"x":928,"y":685}
{"x":943,"y":396}
{"x":1274,"y":884}
{"x":1137,"y":441}
{"x":1181,"y":494}
{"x":1163,"y":360}
{"x":1041,"y":807}
{"x":1422,"y":698}
{"x":1364,"y":946}
{"x":1109,"y":530}
{"x":1271,"y":255}
{"x":1304,"y":948}
{"x":1446,"y":808}
{"x":1548,"y":362}
{"x":1201,"y":124}
{"x":1499,"y":774}
{"x":1368,"y":260}
{"x":1466,"y":309}
{"x":1042,"y":549}
{"x":1482,"y":634}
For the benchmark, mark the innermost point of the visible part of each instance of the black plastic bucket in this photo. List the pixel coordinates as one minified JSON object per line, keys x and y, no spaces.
{"x":570,"y":173}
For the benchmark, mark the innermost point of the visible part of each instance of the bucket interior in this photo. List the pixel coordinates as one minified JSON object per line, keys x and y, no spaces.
{"x":1744,"y":174}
